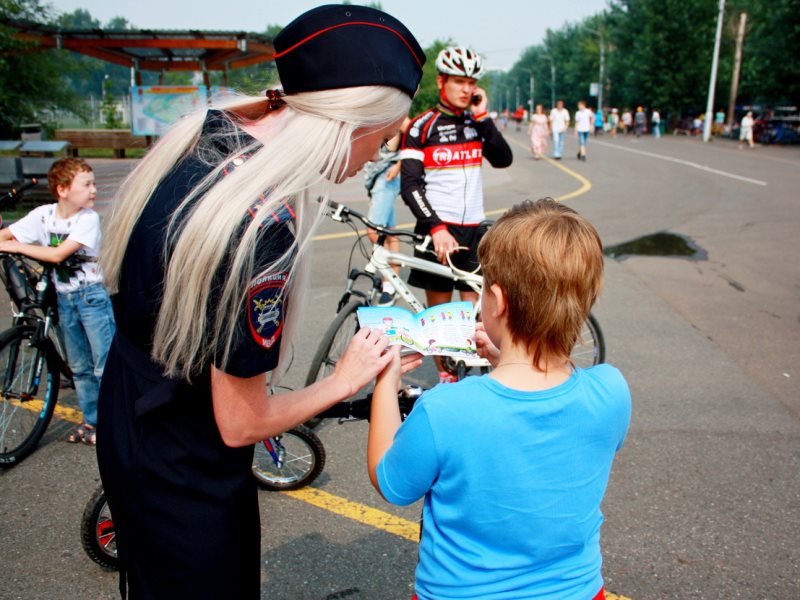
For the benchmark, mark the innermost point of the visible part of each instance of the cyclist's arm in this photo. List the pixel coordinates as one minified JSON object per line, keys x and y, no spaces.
{"x":495,"y":147}
{"x":246,"y":413}
{"x":6,"y":235}
{"x":412,"y":179}
{"x":44,"y":253}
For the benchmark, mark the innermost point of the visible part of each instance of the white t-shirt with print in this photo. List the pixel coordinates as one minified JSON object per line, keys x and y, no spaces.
{"x":41,"y":226}
{"x":583,"y":120}
{"x":559,"y":120}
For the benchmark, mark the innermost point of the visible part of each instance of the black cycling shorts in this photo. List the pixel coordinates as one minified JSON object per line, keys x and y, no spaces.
{"x":466,"y":260}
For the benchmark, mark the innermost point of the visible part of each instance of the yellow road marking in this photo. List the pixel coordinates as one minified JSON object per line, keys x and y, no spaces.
{"x":67,"y":413}
{"x":586,"y":185}
{"x":358,"y":512}
{"x":355,"y":511}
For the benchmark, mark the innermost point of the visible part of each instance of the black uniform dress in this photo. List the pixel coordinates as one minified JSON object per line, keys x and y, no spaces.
{"x":184,"y":504}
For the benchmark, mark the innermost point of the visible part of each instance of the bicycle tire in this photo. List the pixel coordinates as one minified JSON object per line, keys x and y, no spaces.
{"x":590,"y":349}
{"x":303,"y":458}
{"x":335,"y":341}
{"x":24,"y":417}
{"x":98,"y":536}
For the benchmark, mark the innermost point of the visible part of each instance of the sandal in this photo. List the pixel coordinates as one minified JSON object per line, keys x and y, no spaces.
{"x":83,"y":433}
{"x":89,"y":435}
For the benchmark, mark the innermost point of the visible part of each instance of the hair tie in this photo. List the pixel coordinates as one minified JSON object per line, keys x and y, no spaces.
{"x":275,"y":99}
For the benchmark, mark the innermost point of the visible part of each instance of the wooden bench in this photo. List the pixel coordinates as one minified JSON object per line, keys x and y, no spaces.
{"x":118,"y":140}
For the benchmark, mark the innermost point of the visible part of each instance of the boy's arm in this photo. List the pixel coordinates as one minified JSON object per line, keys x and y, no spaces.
{"x":385,"y":417}
{"x":5,"y":235}
{"x":44,"y":253}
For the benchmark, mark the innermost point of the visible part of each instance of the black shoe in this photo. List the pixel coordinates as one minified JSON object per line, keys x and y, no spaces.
{"x":579,"y":156}
{"x":387,"y":299}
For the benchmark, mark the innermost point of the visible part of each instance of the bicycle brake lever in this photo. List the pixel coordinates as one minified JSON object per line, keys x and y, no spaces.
{"x":423,"y":246}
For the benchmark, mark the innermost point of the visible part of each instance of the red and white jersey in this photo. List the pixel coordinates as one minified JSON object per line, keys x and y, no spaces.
{"x":442,"y":154}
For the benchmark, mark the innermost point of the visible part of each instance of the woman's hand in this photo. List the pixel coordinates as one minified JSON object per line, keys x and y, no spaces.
{"x":485,"y":346}
{"x":363,"y":359}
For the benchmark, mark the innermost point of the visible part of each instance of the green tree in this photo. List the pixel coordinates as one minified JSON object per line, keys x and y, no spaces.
{"x":31,"y":85}
{"x":428,"y":95}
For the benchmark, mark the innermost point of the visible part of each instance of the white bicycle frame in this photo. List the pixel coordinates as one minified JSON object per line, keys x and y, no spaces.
{"x":381,"y":261}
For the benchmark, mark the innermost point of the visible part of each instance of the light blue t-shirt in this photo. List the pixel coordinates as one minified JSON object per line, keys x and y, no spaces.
{"x":512,"y":482}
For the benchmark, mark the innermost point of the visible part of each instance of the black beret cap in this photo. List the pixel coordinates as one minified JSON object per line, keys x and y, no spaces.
{"x":340,"y":46}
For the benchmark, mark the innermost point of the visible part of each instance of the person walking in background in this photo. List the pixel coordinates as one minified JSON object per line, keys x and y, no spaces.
{"x":640,"y":121}
{"x":55,"y":233}
{"x":655,"y":122}
{"x":627,"y":121}
{"x":584,"y":118}
{"x":382,"y":180}
{"x":539,"y":131}
{"x":613,"y":122}
{"x":599,"y":122}
{"x":559,"y":123}
{"x":746,"y":130}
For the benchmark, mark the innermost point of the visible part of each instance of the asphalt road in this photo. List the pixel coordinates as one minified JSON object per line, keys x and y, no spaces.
{"x":704,"y":500}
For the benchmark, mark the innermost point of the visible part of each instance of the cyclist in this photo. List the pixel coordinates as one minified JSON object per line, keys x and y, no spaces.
{"x":442,"y":152}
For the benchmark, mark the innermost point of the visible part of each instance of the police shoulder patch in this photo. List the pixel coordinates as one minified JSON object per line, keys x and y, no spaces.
{"x":265,"y":311}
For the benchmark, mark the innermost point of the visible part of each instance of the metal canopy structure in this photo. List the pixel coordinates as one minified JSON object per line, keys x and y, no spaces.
{"x":154,"y":50}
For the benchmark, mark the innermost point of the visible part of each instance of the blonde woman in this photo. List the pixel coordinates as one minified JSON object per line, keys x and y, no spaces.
{"x":205,"y":254}
{"x":539,"y":131}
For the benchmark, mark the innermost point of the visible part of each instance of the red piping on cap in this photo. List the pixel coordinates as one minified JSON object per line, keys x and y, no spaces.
{"x":321,"y":31}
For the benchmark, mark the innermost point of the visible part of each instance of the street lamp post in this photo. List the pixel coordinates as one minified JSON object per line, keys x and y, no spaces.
{"x":530,"y":99}
{"x":602,"y":65}
{"x":712,"y":83}
{"x":552,"y":81}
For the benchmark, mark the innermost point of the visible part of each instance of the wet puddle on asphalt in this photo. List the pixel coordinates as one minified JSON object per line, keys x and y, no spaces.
{"x":657,"y":244}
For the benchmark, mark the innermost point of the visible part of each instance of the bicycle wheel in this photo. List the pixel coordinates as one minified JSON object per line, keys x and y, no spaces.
{"x":28,"y":393}
{"x":289,"y":461}
{"x":98,"y":536}
{"x":591,"y":347}
{"x":335,"y":341}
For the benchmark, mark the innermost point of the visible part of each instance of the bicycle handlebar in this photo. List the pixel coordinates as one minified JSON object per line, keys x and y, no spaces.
{"x":14,"y":193}
{"x":342,"y":213}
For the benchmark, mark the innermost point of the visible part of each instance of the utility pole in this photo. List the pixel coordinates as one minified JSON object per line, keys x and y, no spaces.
{"x":737,"y":65}
{"x":602,"y":66}
{"x":712,"y":83}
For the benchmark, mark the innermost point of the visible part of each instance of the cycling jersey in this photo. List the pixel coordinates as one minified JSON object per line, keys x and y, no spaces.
{"x":442,"y":153}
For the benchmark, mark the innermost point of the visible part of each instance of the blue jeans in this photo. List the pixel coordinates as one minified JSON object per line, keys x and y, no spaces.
{"x":87,"y":324}
{"x":384,"y":193}
{"x":583,"y":138}
{"x":558,"y":144}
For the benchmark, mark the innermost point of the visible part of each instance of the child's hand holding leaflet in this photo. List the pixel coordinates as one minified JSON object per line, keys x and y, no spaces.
{"x":446,"y":329}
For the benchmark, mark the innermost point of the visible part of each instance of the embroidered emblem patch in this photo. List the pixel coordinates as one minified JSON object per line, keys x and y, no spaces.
{"x":265,"y":308}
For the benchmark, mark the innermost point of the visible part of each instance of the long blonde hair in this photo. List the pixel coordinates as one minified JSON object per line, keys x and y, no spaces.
{"x":309,"y":145}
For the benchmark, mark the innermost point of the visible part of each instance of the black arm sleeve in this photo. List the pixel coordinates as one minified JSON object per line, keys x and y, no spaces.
{"x":412,"y":190}
{"x":495,"y":147}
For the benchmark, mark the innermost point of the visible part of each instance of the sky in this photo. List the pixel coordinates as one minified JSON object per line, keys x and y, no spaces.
{"x":500,"y":30}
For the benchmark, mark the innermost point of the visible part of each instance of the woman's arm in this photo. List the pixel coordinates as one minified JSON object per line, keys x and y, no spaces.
{"x":246,"y":413}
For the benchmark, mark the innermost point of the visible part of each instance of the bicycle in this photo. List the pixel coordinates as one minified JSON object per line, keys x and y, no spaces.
{"x":589,"y":349}
{"x":32,"y":356}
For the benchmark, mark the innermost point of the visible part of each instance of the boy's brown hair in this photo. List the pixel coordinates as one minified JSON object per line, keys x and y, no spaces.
{"x":63,"y":171}
{"x":548,"y":260}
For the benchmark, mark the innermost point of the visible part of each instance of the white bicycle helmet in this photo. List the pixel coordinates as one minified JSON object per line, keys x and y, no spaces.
{"x":460,"y":61}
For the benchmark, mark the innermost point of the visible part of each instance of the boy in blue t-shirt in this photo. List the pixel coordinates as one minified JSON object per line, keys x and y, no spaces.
{"x":512,"y":465}
{"x":53,"y":233}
